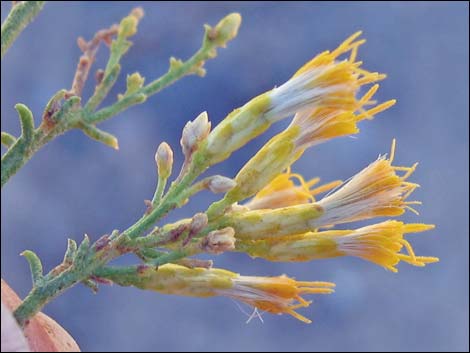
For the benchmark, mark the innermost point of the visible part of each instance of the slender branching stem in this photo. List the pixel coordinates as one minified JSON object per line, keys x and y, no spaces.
{"x":19,"y":17}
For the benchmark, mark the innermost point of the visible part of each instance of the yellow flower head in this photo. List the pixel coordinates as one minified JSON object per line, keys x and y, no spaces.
{"x":276,"y":295}
{"x":376,"y":191}
{"x":378,"y":243}
{"x":322,"y":124}
{"x":381,"y":244}
{"x":282,"y":191}
{"x":324,"y":90}
{"x":323,"y":94}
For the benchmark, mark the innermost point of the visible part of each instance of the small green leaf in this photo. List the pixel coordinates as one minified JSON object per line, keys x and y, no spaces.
{"x":82,"y":250}
{"x":99,"y":135}
{"x":27,"y":122}
{"x":71,"y":251}
{"x":35,"y":265}
{"x":7,"y":139}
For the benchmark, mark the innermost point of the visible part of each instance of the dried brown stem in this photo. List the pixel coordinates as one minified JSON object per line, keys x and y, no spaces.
{"x":89,"y":50}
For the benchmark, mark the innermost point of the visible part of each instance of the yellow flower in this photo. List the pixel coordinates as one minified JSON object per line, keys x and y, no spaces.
{"x":324,"y":123}
{"x":378,"y":243}
{"x":329,"y":85}
{"x":276,"y":295}
{"x":283,"y":192}
{"x":323,"y":93}
{"x":376,"y":191}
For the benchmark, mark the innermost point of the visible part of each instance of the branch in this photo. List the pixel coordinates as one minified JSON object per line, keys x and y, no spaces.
{"x":64,"y":112}
{"x":215,"y":37}
{"x":82,"y":263}
{"x":19,"y":17}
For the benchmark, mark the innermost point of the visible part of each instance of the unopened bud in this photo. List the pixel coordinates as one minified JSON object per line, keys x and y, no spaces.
{"x":134,"y":83}
{"x":194,"y":132}
{"x":128,"y":26}
{"x":164,"y":160}
{"x":226,"y":29}
{"x":218,"y":184}
{"x":219,"y":241}
{"x":198,"y":222}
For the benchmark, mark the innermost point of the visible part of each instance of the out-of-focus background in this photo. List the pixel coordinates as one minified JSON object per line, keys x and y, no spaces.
{"x":76,"y":186}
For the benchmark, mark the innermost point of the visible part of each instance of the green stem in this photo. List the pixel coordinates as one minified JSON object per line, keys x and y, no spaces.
{"x":18,"y":18}
{"x":16,"y":156}
{"x":52,"y":285}
{"x":159,"y":190}
{"x":118,"y":274}
{"x":87,"y":261}
{"x":44,"y":293}
{"x":174,"y":197}
{"x":225,"y":31}
{"x":22,"y":151}
{"x":173,"y":75}
{"x":14,"y":159}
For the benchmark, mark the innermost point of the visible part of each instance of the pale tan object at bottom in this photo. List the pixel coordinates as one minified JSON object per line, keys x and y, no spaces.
{"x":42,"y":333}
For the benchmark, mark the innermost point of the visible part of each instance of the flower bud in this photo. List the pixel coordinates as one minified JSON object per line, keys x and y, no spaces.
{"x":275,"y":295}
{"x":128,"y":26}
{"x":225,"y":30}
{"x":218,"y":184}
{"x":198,"y":222}
{"x":194,"y":132}
{"x":219,"y":241}
{"x":134,"y":82}
{"x":164,"y":160}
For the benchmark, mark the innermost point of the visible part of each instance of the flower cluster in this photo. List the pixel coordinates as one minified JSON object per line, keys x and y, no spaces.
{"x":268,"y":211}
{"x":275,"y":295}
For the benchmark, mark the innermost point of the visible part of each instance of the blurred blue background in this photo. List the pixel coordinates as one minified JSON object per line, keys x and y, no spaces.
{"x":75,"y":186}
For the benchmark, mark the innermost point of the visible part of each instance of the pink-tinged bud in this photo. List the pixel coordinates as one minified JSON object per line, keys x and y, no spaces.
{"x":219,"y":241}
{"x":194,"y":132}
{"x":218,"y":184}
{"x":164,"y":160}
{"x":198,"y":222}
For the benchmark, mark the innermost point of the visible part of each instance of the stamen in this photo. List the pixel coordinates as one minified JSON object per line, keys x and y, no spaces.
{"x":298,"y":316}
{"x":362,"y":71}
{"x":315,"y":284}
{"x":412,"y":169}
{"x":408,"y":248}
{"x":377,"y":109}
{"x":412,"y":210}
{"x":392,"y":152}
{"x":372,"y":77}
{"x":418,"y":227}
{"x":344,"y":47}
{"x":408,"y":259}
{"x":411,"y":187}
{"x":312,"y":182}
{"x":317,"y":290}
{"x":353,"y":55}
{"x":369,"y":94}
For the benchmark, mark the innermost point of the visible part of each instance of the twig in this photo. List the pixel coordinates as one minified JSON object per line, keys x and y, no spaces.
{"x":19,"y":17}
